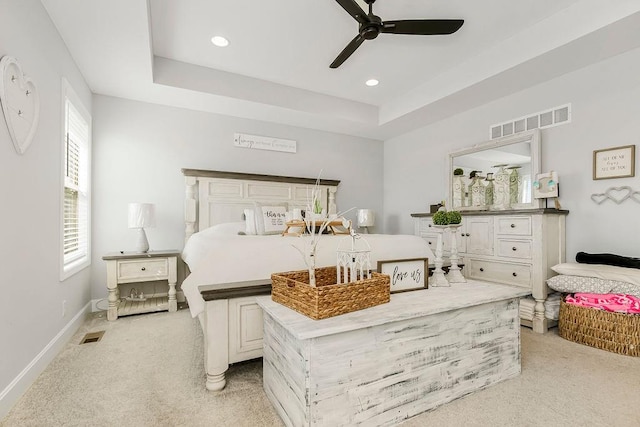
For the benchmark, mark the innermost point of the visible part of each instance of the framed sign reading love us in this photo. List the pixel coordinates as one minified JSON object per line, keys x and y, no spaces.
{"x":406,"y":274}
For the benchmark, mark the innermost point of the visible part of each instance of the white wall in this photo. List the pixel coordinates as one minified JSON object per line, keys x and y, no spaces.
{"x":606,"y":107}
{"x":140,"y":149}
{"x":32,"y":295}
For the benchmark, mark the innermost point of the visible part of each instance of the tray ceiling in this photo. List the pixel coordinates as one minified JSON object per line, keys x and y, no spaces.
{"x":276,"y":67}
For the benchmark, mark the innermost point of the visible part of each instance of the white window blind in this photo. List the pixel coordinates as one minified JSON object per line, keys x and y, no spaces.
{"x":75,"y":200}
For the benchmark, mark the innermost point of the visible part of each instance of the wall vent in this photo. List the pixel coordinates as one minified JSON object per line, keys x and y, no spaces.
{"x":92,"y":337}
{"x":541,"y":120}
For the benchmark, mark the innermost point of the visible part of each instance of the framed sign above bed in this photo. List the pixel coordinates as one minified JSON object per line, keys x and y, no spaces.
{"x":406,"y":274}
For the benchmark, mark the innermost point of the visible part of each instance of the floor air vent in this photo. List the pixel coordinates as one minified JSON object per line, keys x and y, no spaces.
{"x":92,"y":337}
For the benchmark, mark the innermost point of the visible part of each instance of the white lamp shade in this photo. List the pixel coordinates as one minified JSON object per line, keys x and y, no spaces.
{"x":365,"y":218}
{"x":142,"y":215}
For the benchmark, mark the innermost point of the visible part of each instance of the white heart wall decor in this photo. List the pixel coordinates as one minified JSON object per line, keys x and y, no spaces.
{"x":619,"y":194}
{"x":20,"y":103}
{"x":599,"y":198}
{"x":636,"y":196}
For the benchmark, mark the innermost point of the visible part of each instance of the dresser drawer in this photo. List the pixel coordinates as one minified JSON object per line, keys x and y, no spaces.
{"x":432,"y":241}
{"x":501,"y":272}
{"x":514,"y":226}
{"x":509,"y":248}
{"x":150,"y":269}
{"x":426,"y":225}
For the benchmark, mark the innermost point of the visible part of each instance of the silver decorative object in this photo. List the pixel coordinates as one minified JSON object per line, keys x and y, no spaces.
{"x":476,"y":191}
{"x":458,"y":191}
{"x":514,"y":184}
{"x":488,"y":190}
{"x":354,"y":261}
{"x":501,"y":194}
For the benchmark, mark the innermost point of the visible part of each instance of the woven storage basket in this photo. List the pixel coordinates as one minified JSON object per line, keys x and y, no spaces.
{"x":615,"y":332}
{"x":327,"y":299}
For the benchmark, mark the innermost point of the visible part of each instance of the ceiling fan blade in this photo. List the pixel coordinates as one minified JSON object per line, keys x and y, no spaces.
{"x":426,"y":27}
{"x":347,"y":51}
{"x":354,"y":10}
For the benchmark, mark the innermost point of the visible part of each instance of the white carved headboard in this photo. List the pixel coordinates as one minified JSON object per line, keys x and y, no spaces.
{"x":214,"y":197}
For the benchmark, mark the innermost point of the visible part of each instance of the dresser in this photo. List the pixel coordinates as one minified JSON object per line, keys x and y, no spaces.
{"x":514,"y":247}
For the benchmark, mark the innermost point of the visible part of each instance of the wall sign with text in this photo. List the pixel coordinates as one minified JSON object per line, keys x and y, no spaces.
{"x":406,"y":274}
{"x":264,"y":143}
{"x":616,"y":162}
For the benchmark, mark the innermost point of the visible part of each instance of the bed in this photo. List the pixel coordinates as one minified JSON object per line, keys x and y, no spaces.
{"x":228,"y":270}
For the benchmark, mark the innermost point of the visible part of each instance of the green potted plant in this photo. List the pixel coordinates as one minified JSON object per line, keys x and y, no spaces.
{"x":454,"y":217}
{"x":441,"y":217}
{"x":458,"y":172}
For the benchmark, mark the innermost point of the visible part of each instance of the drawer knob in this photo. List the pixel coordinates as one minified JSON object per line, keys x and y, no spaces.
{"x":514,"y":249}
{"x":143,"y":268}
{"x":462,"y":234}
{"x":429,"y":242}
{"x":513,"y":226}
{"x":514,"y":274}
{"x":429,"y":225}
{"x":467,"y":234}
{"x":481,"y":269}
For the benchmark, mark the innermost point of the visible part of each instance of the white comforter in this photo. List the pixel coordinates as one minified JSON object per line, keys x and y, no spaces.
{"x":215,"y":259}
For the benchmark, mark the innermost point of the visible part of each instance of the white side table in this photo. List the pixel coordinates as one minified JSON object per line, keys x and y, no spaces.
{"x":130,"y":267}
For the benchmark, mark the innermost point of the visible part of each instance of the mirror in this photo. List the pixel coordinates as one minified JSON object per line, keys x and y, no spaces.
{"x":495,"y":175}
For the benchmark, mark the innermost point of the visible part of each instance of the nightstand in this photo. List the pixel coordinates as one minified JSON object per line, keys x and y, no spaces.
{"x":131,"y":267}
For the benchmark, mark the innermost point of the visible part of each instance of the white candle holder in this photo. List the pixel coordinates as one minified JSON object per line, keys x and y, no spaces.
{"x":438,"y":278}
{"x":455,"y":275}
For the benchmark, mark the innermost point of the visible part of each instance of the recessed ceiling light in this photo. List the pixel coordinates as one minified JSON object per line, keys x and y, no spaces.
{"x":219,"y":41}
{"x":372,"y":82}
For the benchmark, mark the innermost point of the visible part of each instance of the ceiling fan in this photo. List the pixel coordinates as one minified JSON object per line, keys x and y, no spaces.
{"x":371,"y":25}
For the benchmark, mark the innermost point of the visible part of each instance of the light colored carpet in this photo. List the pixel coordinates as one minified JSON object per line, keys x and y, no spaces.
{"x":148,"y":371}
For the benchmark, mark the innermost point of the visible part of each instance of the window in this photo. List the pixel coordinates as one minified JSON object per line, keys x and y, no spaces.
{"x":76,"y":200}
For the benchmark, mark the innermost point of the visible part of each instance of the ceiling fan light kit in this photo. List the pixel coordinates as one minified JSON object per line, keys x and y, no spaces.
{"x":371,"y":26}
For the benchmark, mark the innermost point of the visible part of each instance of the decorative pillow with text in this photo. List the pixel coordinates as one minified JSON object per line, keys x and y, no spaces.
{"x":271,"y":218}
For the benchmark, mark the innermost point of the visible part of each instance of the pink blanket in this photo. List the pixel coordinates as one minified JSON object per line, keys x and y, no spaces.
{"x":618,"y":303}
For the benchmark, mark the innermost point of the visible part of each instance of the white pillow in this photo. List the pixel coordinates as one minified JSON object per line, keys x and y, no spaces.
{"x":601,"y":271}
{"x":271,"y":218}
{"x":250,"y":222}
{"x":225,"y":229}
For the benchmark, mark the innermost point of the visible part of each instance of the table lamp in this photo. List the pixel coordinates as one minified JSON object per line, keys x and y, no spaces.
{"x":365,"y":219}
{"x":142,"y":215}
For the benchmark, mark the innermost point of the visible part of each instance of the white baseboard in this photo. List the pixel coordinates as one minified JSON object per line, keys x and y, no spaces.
{"x":10,"y":395}
{"x":104,"y":304}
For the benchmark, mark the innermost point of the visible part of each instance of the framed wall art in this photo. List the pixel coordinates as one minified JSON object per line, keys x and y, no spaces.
{"x":406,"y":274}
{"x":616,"y":162}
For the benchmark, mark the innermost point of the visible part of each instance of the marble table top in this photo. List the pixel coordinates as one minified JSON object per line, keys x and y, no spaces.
{"x":403,"y":306}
